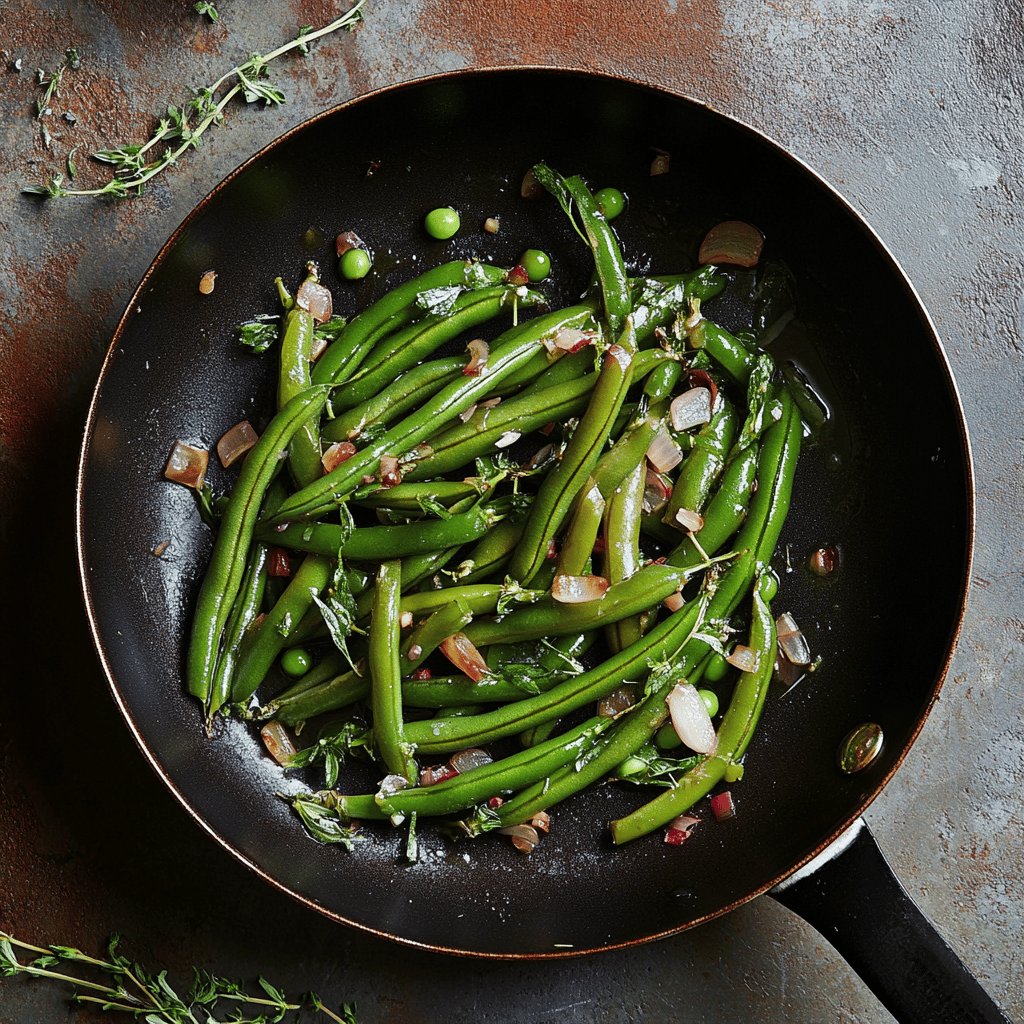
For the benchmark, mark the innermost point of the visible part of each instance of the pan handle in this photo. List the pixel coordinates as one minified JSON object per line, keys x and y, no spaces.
{"x":850,"y":894}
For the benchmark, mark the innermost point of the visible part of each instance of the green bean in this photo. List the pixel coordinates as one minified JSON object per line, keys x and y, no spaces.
{"x":608,"y":261}
{"x":264,"y":643}
{"x":658,"y":300}
{"x":479,"y":598}
{"x":344,"y":356}
{"x":294,"y":377}
{"x":616,"y":464}
{"x":734,"y":735}
{"x":565,"y":480}
{"x":227,"y":562}
{"x":539,"y":733}
{"x":411,"y":389}
{"x":647,"y":587}
{"x":661,"y":382}
{"x":493,"y":550}
{"x":330,"y":665}
{"x":371,"y":543}
{"x":446,"y":621}
{"x":478,"y":784}
{"x":386,"y":674}
{"x":622,"y":552}
{"x":581,"y":533}
{"x":727,"y":350}
{"x":704,"y":464}
{"x":406,"y":348}
{"x":506,"y":355}
{"x":410,"y":497}
{"x":760,"y":534}
{"x":725,"y":512}
{"x":341,"y":691}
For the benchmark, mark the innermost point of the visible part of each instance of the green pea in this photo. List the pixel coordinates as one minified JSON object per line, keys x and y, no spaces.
{"x":716,"y":669}
{"x":442,"y":223}
{"x":536,"y":263}
{"x":611,"y":202}
{"x":296,"y":661}
{"x":710,"y":699}
{"x":667,"y":738}
{"x":355,"y":264}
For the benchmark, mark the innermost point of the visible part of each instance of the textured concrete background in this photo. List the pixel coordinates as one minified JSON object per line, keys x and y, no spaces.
{"x":913,"y":109}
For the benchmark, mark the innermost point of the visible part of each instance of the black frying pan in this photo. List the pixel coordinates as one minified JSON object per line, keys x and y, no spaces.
{"x":890,"y":481}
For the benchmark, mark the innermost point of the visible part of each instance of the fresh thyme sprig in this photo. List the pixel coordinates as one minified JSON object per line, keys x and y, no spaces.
{"x":183,"y":127}
{"x":131,"y":988}
{"x":203,"y":7}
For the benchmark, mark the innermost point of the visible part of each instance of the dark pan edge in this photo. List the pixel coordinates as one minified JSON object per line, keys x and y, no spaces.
{"x":815,"y":178}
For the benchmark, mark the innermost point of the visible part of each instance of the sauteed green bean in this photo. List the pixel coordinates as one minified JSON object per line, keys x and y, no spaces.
{"x":605,"y":481}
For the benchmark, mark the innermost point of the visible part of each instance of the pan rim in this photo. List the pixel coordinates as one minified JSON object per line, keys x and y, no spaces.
{"x":815,"y":178}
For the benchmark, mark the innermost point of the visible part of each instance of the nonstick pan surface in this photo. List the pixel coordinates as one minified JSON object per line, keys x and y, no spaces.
{"x":888,"y":480}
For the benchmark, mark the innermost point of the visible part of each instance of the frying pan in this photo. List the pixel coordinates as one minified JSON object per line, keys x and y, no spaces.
{"x":889,"y":480}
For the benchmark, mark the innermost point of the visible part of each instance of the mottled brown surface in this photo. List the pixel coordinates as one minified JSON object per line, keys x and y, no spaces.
{"x":913,"y":109}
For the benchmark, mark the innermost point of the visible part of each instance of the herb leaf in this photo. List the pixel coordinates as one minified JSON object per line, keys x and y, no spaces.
{"x":323,"y":823}
{"x":259,"y":334}
{"x":204,"y":7}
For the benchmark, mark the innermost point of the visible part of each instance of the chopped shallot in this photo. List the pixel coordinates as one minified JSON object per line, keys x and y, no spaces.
{"x":467,"y":760}
{"x":690,"y":718}
{"x":339,"y":452}
{"x":703,"y":379}
{"x":733,"y":242}
{"x":743,"y":658}
{"x":530,"y":187}
{"x":616,"y":702}
{"x":674,"y":602}
{"x":492,"y":225}
{"x":661,"y":163}
{"x":187,"y":465}
{"x":235,"y":443}
{"x":421,"y":674}
{"x":792,"y":641}
{"x":664,"y":454}
{"x":279,"y":563}
{"x":569,"y":340}
{"x":509,"y":437}
{"x":208,"y":282}
{"x":436,"y":773}
{"x":722,"y":806}
{"x":692,"y":522}
{"x":389,"y":474}
{"x":517,"y":276}
{"x":824,"y":561}
{"x":277,"y":741}
{"x":541,"y":821}
{"x":462,"y":653}
{"x":690,"y":409}
{"x":467,"y":414}
{"x":347,"y":240}
{"x":524,"y":837}
{"x":680,"y":829}
{"x":657,"y":491}
{"x":405,"y":620}
{"x":315,"y":299}
{"x":478,"y":350}
{"x":578,"y":589}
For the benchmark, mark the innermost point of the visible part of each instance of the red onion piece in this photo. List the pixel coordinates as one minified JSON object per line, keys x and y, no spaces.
{"x":495,"y":802}
{"x":722,"y":806}
{"x":517,"y":276}
{"x":692,"y":522}
{"x":552,"y":552}
{"x":279,"y":562}
{"x":690,"y":409}
{"x":619,"y":354}
{"x":463,"y":654}
{"x":661,"y":163}
{"x":277,"y":741}
{"x":674,"y":602}
{"x":578,"y":589}
{"x":208,"y":282}
{"x":187,"y":465}
{"x":824,"y":561}
{"x":524,"y":837}
{"x":347,"y":240}
{"x":339,"y":452}
{"x":664,"y":454}
{"x":316,"y":300}
{"x":530,"y":187}
{"x":792,"y":641}
{"x":690,"y":718}
{"x":542,"y":822}
{"x":657,"y":491}
{"x":466,"y":760}
{"x":733,"y":242}
{"x":680,"y":830}
{"x":616,"y":702}
{"x":478,"y":350}
{"x":572,"y":339}
{"x":389,"y":474}
{"x":743,"y":658}
{"x":436,"y":773}
{"x":235,"y":443}
{"x":703,"y":379}
{"x":421,"y":674}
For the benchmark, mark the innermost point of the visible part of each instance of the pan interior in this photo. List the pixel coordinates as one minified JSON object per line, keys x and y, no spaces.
{"x":886,"y":481}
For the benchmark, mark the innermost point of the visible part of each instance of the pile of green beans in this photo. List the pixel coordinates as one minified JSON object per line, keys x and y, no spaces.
{"x":461,"y":533}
